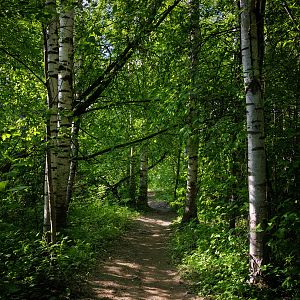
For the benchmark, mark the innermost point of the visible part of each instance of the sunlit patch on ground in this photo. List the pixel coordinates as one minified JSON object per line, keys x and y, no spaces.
{"x":140,"y":267}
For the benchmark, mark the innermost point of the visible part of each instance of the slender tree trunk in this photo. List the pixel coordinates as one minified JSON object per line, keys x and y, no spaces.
{"x":177,"y":170}
{"x":75,"y":72}
{"x":190,"y":211}
{"x":74,"y":163}
{"x":132,"y":175}
{"x":143,"y":192}
{"x":296,"y":118}
{"x":132,"y":165}
{"x":252,"y":50}
{"x":51,"y":73}
{"x":46,"y":223}
{"x":65,"y":102}
{"x":49,"y":205}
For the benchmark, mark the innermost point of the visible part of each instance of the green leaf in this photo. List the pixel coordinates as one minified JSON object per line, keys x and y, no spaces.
{"x":19,"y":188}
{"x":3,"y":185}
{"x":5,"y":136}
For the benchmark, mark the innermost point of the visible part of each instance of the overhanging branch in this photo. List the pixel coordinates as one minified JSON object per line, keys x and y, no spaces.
{"x":22,"y":63}
{"x":93,"y":92}
{"x":123,"y":145}
{"x":118,"y":104}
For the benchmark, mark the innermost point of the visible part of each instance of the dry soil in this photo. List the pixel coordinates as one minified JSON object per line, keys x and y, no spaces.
{"x":140,"y":265}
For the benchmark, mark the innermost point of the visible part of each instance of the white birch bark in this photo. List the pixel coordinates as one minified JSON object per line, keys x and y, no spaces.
{"x":255,"y":134}
{"x":190,"y":210}
{"x":76,"y":70}
{"x":65,"y":100}
{"x":51,"y":73}
{"x":73,"y":164}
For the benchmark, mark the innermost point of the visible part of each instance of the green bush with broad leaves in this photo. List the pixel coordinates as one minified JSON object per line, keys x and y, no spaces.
{"x":215,"y":261}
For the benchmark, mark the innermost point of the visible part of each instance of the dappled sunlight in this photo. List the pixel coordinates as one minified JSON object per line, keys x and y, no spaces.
{"x":140,"y":267}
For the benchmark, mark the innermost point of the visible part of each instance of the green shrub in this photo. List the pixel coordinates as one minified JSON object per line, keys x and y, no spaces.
{"x":32,"y":269}
{"x":215,"y":261}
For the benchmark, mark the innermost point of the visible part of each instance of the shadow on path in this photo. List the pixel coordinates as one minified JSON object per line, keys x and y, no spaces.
{"x":140,"y":265}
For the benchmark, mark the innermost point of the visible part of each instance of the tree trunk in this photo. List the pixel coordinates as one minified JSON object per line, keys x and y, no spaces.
{"x":132,"y":164}
{"x":74,"y":163}
{"x":143,"y":192}
{"x":190,"y":211}
{"x":252,"y":50}
{"x":76,"y":70}
{"x":177,"y":176}
{"x":132,"y":175}
{"x":65,"y":101}
{"x":51,"y":73}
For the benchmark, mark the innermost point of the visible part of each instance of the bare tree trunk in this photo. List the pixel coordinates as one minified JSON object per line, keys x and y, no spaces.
{"x":65,"y":102}
{"x":132,"y":175}
{"x":74,"y":163}
{"x":190,"y":211}
{"x":132,"y":184}
{"x":296,"y":118}
{"x":143,"y":192}
{"x":252,"y":50}
{"x":177,"y":170}
{"x":51,"y":73}
{"x":75,"y":72}
{"x":49,"y":205}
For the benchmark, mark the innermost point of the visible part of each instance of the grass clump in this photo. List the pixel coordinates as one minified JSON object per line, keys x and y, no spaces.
{"x":32,"y":269}
{"x":98,"y":223}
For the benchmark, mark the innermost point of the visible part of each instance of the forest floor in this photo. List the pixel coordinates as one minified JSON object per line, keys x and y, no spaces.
{"x":140,"y":267}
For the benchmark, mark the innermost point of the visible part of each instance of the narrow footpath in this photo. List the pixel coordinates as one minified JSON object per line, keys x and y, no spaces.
{"x":140,"y":266}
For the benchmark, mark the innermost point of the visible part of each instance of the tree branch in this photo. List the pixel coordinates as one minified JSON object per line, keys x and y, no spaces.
{"x":21,"y":62}
{"x":118,"y":104}
{"x":91,"y":94}
{"x":289,"y":13}
{"x":123,"y":145}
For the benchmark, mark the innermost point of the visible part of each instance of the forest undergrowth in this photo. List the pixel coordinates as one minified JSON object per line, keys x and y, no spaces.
{"x":214,"y":260}
{"x":30,"y":268}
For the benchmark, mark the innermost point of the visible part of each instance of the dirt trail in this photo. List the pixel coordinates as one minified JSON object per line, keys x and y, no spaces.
{"x":140,"y":267}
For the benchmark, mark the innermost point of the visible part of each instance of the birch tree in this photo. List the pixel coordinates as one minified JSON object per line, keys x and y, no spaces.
{"x":252,"y":54}
{"x":59,"y":75}
{"x":65,"y":103}
{"x":51,"y":73}
{"x":190,"y":211}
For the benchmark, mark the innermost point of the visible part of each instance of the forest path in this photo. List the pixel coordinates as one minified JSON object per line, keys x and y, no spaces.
{"x":140,"y":266}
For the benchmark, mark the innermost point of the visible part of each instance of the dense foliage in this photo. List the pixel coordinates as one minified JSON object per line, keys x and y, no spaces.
{"x":143,"y":104}
{"x":33,"y":269}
